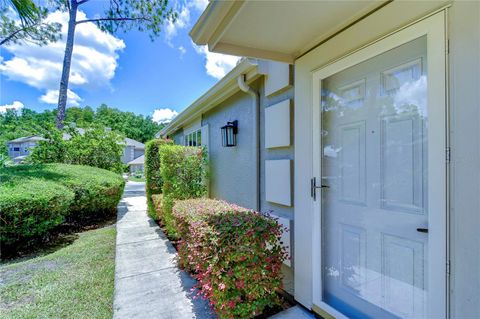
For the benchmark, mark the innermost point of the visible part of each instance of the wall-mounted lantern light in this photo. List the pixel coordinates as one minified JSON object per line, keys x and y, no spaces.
{"x":229,"y":134}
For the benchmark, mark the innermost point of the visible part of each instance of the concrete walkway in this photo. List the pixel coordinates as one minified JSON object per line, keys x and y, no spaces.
{"x":148,"y":283}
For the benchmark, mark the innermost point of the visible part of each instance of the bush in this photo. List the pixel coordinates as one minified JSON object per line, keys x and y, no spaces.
{"x":153,"y":178}
{"x":183,"y":172}
{"x":31,"y":208}
{"x":97,"y":191}
{"x":235,"y":254}
{"x":157,"y":206}
{"x":36,"y":198}
{"x":95,"y":147}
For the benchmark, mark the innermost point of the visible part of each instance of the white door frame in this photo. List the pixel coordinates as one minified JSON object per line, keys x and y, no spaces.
{"x":434,"y":28}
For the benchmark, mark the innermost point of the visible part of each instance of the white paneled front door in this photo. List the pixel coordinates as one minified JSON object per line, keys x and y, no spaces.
{"x":380,"y":158}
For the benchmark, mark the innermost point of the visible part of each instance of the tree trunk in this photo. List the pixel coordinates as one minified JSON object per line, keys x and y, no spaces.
{"x":67,"y":61}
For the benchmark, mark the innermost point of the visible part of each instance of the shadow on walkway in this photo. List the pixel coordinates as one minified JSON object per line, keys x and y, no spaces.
{"x":148,"y":282}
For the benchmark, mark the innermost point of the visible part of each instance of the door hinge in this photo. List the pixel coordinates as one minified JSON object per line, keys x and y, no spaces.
{"x":448,"y":46}
{"x":447,"y":154}
{"x":448,"y":267}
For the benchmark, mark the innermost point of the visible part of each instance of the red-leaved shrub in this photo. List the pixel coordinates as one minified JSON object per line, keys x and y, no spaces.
{"x":234,"y":253}
{"x":157,"y":205}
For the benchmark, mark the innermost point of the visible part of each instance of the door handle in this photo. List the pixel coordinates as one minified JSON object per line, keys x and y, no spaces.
{"x":422,"y":230}
{"x":313,"y":188}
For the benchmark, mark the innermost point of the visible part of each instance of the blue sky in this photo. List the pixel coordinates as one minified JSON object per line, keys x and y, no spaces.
{"x":125,"y":70}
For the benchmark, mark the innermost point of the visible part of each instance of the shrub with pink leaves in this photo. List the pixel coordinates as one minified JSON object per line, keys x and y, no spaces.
{"x":234,"y":253}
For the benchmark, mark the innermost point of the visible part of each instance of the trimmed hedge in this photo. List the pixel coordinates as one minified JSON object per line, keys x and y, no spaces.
{"x":31,"y":209}
{"x":157,"y":206}
{"x":184,"y":176}
{"x":153,"y":178}
{"x":235,"y":254}
{"x":36,"y":198}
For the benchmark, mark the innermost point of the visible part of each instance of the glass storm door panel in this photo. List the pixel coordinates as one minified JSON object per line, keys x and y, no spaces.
{"x":374,"y":161}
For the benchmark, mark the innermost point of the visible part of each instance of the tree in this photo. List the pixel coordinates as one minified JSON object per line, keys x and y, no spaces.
{"x":95,"y":147}
{"x":30,"y":27}
{"x":120,"y":15}
{"x":145,"y":15}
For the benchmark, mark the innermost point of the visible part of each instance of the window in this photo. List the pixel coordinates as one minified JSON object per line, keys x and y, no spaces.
{"x":16,"y":149}
{"x":193,"y":138}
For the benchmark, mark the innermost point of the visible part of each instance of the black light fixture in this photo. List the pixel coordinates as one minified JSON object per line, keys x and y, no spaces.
{"x":229,"y":134}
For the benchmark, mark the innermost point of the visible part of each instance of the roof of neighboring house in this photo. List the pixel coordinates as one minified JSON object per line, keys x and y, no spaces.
{"x":33,"y":138}
{"x":134,"y":143}
{"x":277,"y":30}
{"x":138,"y":161}
{"x":222,"y":90}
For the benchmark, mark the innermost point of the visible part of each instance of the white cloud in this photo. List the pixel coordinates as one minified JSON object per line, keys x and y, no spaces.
{"x":94,"y":59}
{"x":163,"y":115}
{"x":182,"y":50}
{"x":183,"y":20}
{"x":16,"y":105}
{"x":51,"y":97}
{"x":200,"y":5}
{"x":217,"y":65}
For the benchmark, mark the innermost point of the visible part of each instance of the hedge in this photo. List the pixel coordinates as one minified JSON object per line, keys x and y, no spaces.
{"x":31,"y":209}
{"x":183,"y":171}
{"x":157,"y":206}
{"x":153,"y":178}
{"x":235,"y":254}
{"x":36,"y":198}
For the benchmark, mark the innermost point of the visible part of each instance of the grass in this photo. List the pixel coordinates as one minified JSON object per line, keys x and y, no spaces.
{"x":75,"y":281}
{"x":136,"y":179}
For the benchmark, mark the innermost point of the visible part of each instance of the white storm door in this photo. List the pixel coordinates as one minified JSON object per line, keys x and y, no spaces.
{"x":379,"y":152}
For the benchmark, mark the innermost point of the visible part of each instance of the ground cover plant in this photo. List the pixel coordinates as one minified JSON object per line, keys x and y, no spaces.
{"x":34,"y":199}
{"x":75,"y":281}
{"x":153,"y":178}
{"x":184,"y":175}
{"x":235,"y":254}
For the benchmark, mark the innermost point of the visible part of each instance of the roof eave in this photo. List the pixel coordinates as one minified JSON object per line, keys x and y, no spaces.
{"x":223,"y":89}
{"x":213,"y":21}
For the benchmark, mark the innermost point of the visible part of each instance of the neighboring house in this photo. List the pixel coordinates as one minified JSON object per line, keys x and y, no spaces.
{"x":384,"y":181}
{"x":133,"y":150}
{"x":19,"y":149}
{"x":137,"y":164}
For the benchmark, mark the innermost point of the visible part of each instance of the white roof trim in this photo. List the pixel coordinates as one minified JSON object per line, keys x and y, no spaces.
{"x":222,"y":90}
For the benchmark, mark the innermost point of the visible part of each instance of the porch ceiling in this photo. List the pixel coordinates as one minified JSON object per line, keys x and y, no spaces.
{"x":276,"y":30}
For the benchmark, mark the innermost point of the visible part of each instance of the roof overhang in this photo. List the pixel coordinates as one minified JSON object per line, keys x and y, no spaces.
{"x":222,"y":90}
{"x":275,"y":30}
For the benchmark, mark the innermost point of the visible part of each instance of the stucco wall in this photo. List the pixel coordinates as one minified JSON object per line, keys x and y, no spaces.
{"x":274,"y":153}
{"x":177,"y":137}
{"x":231,"y":168}
{"x":127,"y":154}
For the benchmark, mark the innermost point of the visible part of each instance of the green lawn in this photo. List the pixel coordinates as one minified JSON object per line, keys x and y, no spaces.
{"x":136,"y":179}
{"x":75,"y":281}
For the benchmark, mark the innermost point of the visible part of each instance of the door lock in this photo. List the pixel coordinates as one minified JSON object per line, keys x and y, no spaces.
{"x":313,"y":188}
